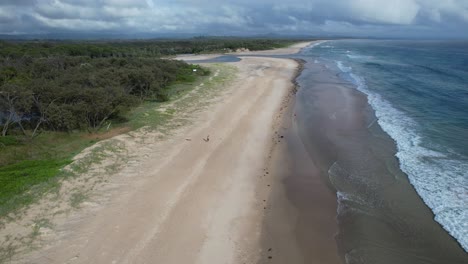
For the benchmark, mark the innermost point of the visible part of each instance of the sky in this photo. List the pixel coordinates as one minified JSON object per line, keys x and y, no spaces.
{"x":369,"y":18}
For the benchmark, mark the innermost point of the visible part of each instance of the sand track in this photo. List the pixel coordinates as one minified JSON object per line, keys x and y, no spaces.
{"x":189,"y":200}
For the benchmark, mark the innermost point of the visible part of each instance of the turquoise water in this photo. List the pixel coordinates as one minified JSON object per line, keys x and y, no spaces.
{"x":419,"y":91}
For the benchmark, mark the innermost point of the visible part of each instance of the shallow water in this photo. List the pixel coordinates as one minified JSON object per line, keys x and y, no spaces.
{"x":420,"y":94}
{"x":382,"y":219}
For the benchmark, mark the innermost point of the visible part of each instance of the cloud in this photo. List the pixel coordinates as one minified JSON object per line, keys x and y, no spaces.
{"x":17,"y":2}
{"x":227,"y":17}
{"x":391,"y":12}
{"x":440,"y":10}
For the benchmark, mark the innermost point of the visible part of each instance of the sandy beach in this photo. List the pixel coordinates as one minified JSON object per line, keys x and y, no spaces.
{"x":380,"y":217}
{"x":300,"y":222}
{"x":198,"y":196}
{"x":281,"y":51}
{"x":233,"y":132}
{"x":293,"y":49}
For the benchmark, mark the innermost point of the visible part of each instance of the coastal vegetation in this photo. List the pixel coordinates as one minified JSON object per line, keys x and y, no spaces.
{"x":134,"y":48}
{"x":59,"y":97}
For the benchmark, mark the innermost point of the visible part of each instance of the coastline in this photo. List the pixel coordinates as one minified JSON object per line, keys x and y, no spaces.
{"x":294,"y":49}
{"x":300,"y":220}
{"x":299,"y":224}
{"x":196,"y":201}
{"x":381,"y":218}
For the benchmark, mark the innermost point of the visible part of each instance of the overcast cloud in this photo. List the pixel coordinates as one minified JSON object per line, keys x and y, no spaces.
{"x":404,"y":18}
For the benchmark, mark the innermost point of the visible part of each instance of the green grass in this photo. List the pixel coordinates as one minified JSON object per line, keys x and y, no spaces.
{"x":8,"y":141}
{"x":31,"y":167}
{"x":20,"y":177}
{"x":147,"y":114}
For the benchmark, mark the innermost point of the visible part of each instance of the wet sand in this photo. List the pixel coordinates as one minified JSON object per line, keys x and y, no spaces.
{"x":300,"y":219}
{"x":263,"y":188}
{"x":381,"y":219}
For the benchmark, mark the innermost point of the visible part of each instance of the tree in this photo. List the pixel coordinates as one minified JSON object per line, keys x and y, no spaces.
{"x":44,"y":94}
{"x":15,"y":102}
{"x":7,"y":73}
{"x":139,"y":82}
{"x":100,"y":104}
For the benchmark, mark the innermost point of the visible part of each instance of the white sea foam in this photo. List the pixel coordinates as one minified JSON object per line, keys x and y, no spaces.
{"x":317,"y":44}
{"x":342,"y":67}
{"x":441,"y":181}
{"x":358,"y":57}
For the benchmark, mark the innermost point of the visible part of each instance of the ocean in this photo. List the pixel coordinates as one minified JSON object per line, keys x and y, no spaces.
{"x":402,"y":176}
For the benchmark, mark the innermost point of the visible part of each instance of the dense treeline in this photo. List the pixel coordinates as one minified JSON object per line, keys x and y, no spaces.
{"x":68,"y":93}
{"x":143,"y":48}
{"x":67,"y":85}
{"x":58,"y":87}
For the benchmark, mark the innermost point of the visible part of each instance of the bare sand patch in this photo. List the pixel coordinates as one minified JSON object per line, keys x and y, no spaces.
{"x":293,"y":49}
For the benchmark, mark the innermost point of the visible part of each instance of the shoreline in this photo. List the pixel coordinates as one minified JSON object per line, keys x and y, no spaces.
{"x":300,"y":221}
{"x":299,"y":225}
{"x":381,"y":217}
{"x":294,"y":49}
{"x":202,"y":185}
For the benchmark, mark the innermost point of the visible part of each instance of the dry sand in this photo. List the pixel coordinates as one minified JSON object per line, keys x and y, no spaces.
{"x":281,"y":51}
{"x":188,"y":199}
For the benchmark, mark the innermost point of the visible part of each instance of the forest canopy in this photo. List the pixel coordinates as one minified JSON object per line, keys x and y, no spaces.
{"x":134,"y":48}
{"x":69,"y":85}
{"x":53,"y":93}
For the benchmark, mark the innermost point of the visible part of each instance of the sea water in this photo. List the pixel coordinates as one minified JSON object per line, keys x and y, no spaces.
{"x":419,"y":93}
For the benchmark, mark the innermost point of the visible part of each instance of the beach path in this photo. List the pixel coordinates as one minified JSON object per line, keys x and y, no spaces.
{"x":193,"y":199}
